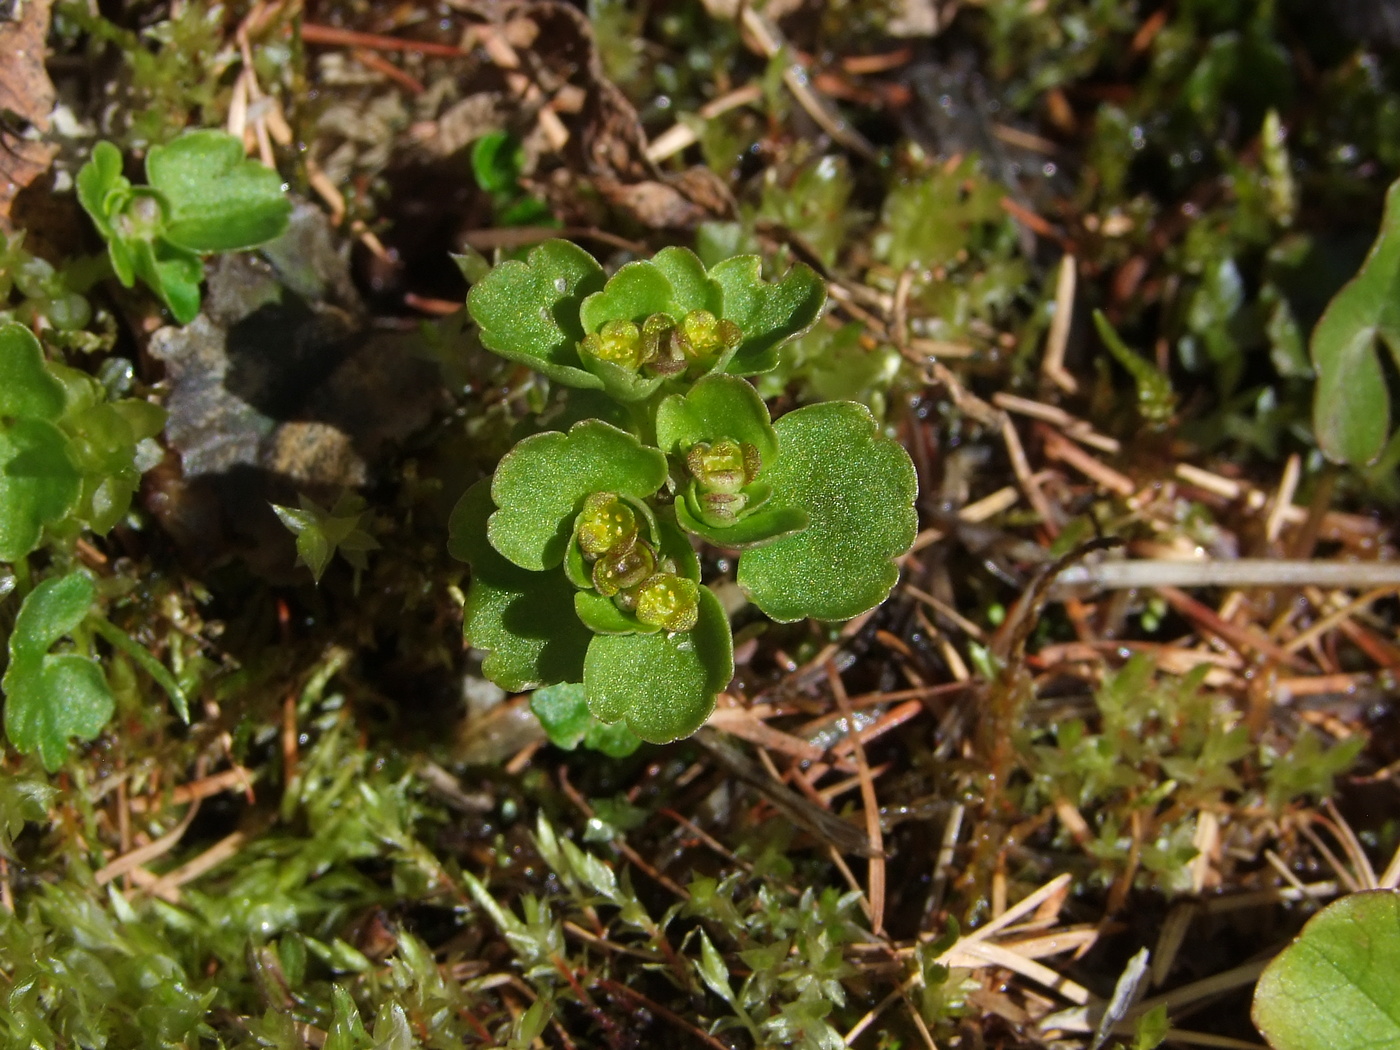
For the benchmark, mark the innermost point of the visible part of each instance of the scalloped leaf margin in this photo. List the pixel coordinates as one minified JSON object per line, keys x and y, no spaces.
{"x":858,"y":490}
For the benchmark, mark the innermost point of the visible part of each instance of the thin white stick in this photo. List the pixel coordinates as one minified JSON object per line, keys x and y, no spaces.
{"x":1244,"y":572}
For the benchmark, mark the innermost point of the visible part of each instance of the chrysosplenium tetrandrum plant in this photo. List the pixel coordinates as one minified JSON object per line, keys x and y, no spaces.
{"x":582,"y":544}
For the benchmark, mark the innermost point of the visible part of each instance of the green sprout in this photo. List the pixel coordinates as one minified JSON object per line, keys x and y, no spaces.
{"x":203,"y":196}
{"x":584,"y":571}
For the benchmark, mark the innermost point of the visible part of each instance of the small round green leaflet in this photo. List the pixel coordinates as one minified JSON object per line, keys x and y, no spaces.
{"x":525,"y":620}
{"x":662,"y":685}
{"x":715,"y":408}
{"x":858,"y":490}
{"x":528,"y":311}
{"x":218,"y":199}
{"x":39,"y":481}
{"x":541,"y":484}
{"x":1337,"y":987}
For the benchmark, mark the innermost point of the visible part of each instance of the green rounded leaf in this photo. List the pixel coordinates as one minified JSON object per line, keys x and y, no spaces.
{"x":634,"y":293}
{"x":1337,"y":987}
{"x":692,"y":288}
{"x":27,"y":389}
{"x":1351,"y":406}
{"x":673,"y":282}
{"x":858,"y":490}
{"x":541,"y":484}
{"x":178,"y":274}
{"x":563,"y":711}
{"x":52,"y":698}
{"x":525,"y":620}
{"x":219,"y":199}
{"x":662,"y":685}
{"x":528,"y":311}
{"x":602,"y":616}
{"x":39,"y":483}
{"x":50,"y":611}
{"x":768,"y":312}
{"x":718,"y":406}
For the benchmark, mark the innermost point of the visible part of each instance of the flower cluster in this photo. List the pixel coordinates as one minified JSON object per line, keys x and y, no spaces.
{"x":582,"y":544}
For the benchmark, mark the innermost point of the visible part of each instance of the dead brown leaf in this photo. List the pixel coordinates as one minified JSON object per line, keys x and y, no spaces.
{"x":26,"y":99}
{"x":606,"y":141}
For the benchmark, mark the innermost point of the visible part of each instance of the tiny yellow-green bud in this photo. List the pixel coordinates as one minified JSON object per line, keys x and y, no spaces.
{"x":619,"y":342}
{"x":724,"y":467}
{"x":606,"y":523}
{"x":668,"y":601}
{"x":621,"y":570}
{"x":702,"y":335}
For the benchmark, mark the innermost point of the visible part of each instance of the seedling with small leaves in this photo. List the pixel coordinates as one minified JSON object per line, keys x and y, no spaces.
{"x":204,"y":196}
{"x":50,"y":697}
{"x":584,"y":572}
{"x":321,"y":532}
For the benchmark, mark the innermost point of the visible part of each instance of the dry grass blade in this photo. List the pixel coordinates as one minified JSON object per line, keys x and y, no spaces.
{"x":875,"y":890}
{"x":142,"y":855}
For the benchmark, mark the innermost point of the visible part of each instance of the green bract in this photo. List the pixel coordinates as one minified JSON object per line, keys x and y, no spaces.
{"x":204,"y":196}
{"x":541,"y":484}
{"x":699,"y":431}
{"x":584,"y":577}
